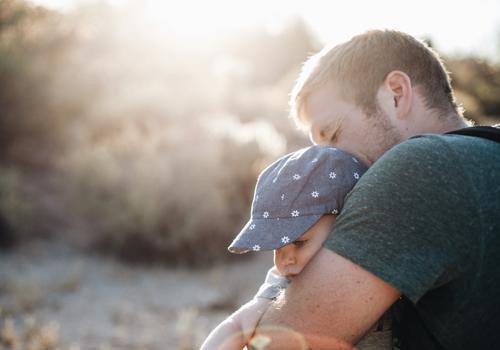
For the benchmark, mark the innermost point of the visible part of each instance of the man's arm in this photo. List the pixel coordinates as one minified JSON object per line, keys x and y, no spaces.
{"x":330,"y":304}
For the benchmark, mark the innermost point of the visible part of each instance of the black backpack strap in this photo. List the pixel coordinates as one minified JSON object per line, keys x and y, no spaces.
{"x":486,"y":132}
{"x":409,"y":330}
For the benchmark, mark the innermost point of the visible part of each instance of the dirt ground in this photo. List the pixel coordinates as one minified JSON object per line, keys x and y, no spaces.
{"x":74,"y":301}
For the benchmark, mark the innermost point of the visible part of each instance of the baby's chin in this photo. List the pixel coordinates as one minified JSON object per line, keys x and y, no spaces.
{"x":293,"y":274}
{"x":290,"y":272}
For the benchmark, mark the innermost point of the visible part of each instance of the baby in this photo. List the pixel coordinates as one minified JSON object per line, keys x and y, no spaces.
{"x":296,"y":201}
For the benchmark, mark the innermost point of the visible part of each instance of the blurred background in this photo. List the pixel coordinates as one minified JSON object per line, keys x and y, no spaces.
{"x":131,"y":135}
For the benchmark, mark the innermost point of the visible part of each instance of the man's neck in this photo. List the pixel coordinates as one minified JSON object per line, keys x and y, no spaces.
{"x":439,"y":125}
{"x":450,"y":123}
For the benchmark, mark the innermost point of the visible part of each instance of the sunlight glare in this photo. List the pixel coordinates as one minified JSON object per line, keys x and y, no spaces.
{"x":464,"y":27}
{"x":194,"y":19}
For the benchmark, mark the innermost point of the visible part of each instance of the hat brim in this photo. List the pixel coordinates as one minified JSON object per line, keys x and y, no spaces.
{"x":271,"y":233}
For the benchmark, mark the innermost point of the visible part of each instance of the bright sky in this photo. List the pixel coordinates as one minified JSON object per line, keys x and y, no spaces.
{"x":455,"y":26}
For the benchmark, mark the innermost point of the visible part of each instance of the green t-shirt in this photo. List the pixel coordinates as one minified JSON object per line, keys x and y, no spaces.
{"x":425,"y":218}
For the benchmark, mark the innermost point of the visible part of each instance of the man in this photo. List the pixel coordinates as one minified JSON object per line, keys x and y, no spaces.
{"x":423,"y":222}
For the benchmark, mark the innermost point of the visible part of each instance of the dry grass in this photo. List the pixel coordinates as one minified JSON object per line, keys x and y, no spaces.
{"x":52,"y":295}
{"x":27,"y":296}
{"x":30,"y":335}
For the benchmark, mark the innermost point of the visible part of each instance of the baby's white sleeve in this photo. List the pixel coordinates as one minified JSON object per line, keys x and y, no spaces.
{"x":273,"y":285}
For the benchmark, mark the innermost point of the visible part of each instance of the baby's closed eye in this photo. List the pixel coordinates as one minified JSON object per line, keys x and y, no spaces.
{"x":299,"y":244}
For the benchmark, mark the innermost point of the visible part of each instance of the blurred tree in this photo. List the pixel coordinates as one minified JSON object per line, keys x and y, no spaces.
{"x":33,"y":42}
{"x":428,"y":40}
{"x":6,"y":235}
{"x":272,"y":61}
{"x":272,"y":55}
{"x":477,"y":83}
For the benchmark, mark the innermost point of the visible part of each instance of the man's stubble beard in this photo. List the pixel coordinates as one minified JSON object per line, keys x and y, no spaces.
{"x":383,"y":135}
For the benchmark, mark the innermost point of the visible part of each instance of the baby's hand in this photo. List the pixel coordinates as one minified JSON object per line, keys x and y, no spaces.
{"x":235,"y":331}
{"x":250,"y":314}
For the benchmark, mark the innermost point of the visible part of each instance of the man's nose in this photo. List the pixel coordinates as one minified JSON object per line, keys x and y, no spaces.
{"x":321,"y":134}
{"x":324,"y":128}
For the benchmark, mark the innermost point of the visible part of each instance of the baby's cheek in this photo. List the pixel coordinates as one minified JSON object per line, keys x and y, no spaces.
{"x":279,"y":267}
{"x":306,"y":258}
{"x":300,"y":265}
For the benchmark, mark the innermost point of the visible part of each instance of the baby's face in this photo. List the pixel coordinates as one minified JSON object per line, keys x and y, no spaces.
{"x":291,"y":259}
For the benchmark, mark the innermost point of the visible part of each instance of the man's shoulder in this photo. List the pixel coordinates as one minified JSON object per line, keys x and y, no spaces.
{"x":433,"y":143}
{"x":435,"y":167}
{"x":440,"y":153}
{"x":439,"y":143}
{"x":419,"y":157}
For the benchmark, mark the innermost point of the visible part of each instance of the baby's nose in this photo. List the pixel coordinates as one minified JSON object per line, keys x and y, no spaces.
{"x":288,"y":257}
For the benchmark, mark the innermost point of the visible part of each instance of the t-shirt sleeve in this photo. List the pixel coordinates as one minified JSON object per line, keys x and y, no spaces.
{"x":401,"y":221}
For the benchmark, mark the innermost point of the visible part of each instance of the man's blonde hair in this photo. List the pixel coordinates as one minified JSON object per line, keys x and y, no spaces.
{"x":359,"y":66}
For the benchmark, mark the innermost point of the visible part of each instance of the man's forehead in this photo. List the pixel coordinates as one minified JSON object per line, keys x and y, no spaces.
{"x":321,"y":103}
{"x":322,"y":114}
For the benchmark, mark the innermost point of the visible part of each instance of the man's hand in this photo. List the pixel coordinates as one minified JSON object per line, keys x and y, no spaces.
{"x":330,"y":305}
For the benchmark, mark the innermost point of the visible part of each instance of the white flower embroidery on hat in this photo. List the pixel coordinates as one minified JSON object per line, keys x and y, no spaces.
{"x":315,"y":194}
{"x":282,"y":196}
{"x":296,"y":176}
{"x":285,"y":239}
{"x":265,"y":215}
{"x":251,"y":227}
{"x":332,"y":175}
{"x":356,"y":176}
{"x":335,"y":211}
{"x":256,"y":248}
{"x":295,"y":213}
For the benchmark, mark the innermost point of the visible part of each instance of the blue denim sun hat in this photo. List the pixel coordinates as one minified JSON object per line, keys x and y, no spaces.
{"x":293,"y":193}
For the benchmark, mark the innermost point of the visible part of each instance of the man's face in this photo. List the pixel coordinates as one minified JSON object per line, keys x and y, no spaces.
{"x":291,"y":259}
{"x":342,"y":124}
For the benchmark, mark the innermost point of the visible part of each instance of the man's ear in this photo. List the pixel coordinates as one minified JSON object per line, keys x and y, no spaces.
{"x":398,"y":86}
